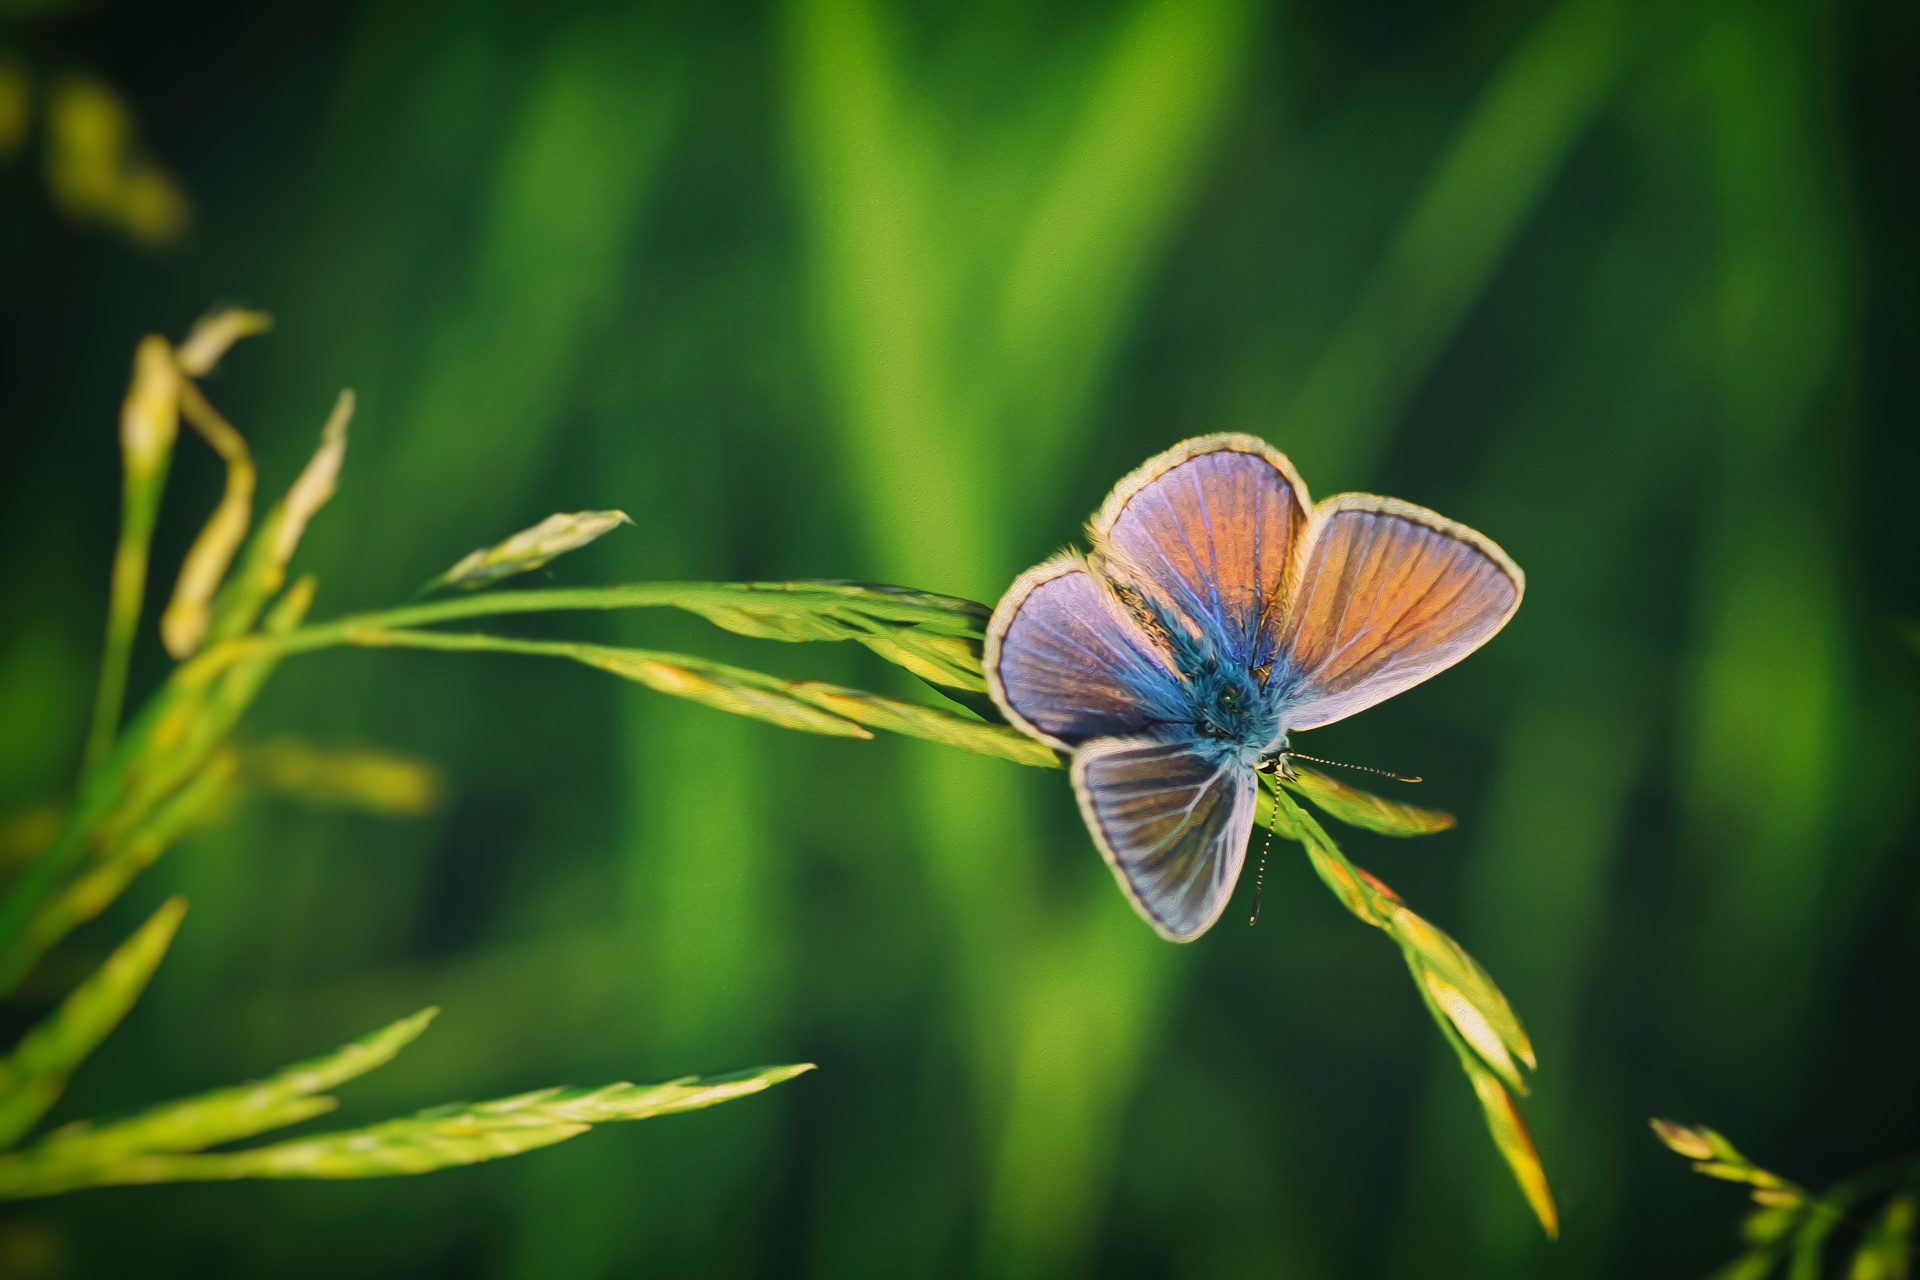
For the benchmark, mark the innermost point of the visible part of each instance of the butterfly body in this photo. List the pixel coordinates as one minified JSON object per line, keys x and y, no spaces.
{"x":1218,"y":611}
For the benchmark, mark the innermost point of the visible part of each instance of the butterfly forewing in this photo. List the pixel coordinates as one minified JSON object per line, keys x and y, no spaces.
{"x":1172,"y":819}
{"x":1390,"y":594}
{"x":1210,"y":528}
{"x":1066,"y":663}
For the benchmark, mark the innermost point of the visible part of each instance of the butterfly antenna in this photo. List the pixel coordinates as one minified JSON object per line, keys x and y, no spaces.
{"x":1341,"y":764}
{"x":1260,"y":876}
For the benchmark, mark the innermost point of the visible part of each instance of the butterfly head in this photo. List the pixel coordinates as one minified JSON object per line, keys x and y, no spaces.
{"x":1230,"y":708}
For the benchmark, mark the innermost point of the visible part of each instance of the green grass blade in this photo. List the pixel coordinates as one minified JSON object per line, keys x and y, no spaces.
{"x":441,"y":1138}
{"x":730,"y":689}
{"x":105,"y":879}
{"x":950,"y":661}
{"x":149,"y":425}
{"x":1822,"y":1217}
{"x":1757,"y":1264}
{"x":1515,"y":1144}
{"x":167,"y":744}
{"x":1363,"y":809}
{"x":35,"y":1074}
{"x":1886,"y":1250}
{"x":809,"y":706}
{"x":1463,"y":989}
{"x":931,"y":723}
{"x":263,"y":566}
{"x":530,"y":549}
{"x":224,"y":1115}
{"x":1465,"y":1004}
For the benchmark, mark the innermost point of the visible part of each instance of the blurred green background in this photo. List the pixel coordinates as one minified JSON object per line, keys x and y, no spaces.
{"x":853,"y":288}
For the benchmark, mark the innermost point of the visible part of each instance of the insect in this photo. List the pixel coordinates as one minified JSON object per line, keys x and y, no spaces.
{"x":1217,"y":612}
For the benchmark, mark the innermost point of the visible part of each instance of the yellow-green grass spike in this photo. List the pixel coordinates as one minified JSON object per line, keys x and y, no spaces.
{"x":1475,"y":1004}
{"x":825,"y":610}
{"x":1886,"y":1250}
{"x":213,"y":336}
{"x":287,"y":1097}
{"x":170,"y":740}
{"x":1457,"y":992}
{"x":913,"y":628}
{"x":1357,"y":808}
{"x":103,"y":881}
{"x":1516,"y":1146}
{"x":1504,"y":1123}
{"x":263,"y":565}
{"x":932,"y":723}
{"x":149,"y":425}
{"x":1439,"y":965}
{"x":35,"y":1074}
{"x":369,"y":779}
{"x":440,"y":1138}
{"x":184,"y":622}
{"x":729,"y":689}
{"x":531,"y":548}
{"x":953,"y":661}
{"x":1354,"y":890}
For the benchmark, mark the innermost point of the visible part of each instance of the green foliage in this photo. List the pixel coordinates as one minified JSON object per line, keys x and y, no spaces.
{"x":166,"y":1143}
{"x":1792,"y":1226}
{"x":1464,"y":1002}
{"x":530,"y":548}
{"x":174,"y":762}
{"x":1363,"y":809}
{"x":896,"y":290}
{"x":35,"y":1074}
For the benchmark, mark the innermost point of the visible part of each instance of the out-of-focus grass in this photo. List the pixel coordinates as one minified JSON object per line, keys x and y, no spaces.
{"x":1570,"y":397}
{"x":1795,"y":1230}
{"x":142,"y":785}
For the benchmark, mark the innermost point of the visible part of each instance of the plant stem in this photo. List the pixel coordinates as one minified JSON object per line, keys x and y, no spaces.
{"x":140,"y":508}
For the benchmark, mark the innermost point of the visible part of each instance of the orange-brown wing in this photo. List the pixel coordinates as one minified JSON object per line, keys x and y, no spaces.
{"x":1390,"y":594}
{"x":1210,"y":528}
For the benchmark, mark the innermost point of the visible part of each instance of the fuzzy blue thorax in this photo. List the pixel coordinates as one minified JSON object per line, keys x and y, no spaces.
{"x":1226,"y":704}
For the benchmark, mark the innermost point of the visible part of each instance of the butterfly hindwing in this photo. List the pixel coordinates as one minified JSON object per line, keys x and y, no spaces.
{"x":1210,"y":527}
{"x":1389,"y":595}
{"x":1172,"y":819}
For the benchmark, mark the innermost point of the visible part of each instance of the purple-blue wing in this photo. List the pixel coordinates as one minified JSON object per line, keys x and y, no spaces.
{"x":1066,"y":663}
{"x":1172,"y":820}
{"x":1210,"y":527}
{"x":1389,"y":595}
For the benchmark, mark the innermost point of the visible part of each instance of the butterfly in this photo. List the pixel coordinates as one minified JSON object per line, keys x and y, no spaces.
{"x":1219,"y":611}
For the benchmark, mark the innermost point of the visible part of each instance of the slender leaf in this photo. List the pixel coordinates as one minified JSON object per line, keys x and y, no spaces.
{"x":149,"y":425}
{"x":1886,"y":1251}
{"x":730,"y":689}
{"x":263,"y":566}
{"x":1465,"y":1004}
{"x":35,"y":1074}
{"x":104,"y":880}
{"x":1473,"y":1003}
{"x":530,"y":548}
{"x":1363,"y":809}
{"x":1755,"y":1264}
{"x":1516,"y":1146}
{"x":185,"y":621}
{"x":214,"y":335}
{"x":362,"y":778}
{"x":441,"y":1138}
{"x":223,"y":1115}
{"x":931,"y":723}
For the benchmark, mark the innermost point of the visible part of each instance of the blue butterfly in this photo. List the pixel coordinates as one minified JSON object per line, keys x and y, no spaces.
{"x":1218,"y":612}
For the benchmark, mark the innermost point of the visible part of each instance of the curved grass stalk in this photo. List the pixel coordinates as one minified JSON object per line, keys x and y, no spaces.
{"x":1469,"y":1009}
